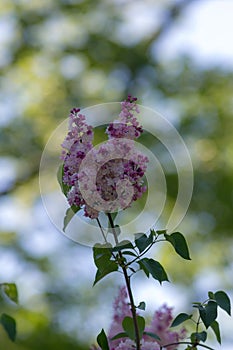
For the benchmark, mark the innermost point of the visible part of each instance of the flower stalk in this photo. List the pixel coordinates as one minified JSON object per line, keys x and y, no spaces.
{"x":128,"y":286}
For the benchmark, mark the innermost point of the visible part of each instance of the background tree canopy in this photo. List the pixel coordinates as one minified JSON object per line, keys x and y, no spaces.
{"x":65,"y":53}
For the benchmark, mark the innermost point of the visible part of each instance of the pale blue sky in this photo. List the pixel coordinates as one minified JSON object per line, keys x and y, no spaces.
{"x":204,"y":31}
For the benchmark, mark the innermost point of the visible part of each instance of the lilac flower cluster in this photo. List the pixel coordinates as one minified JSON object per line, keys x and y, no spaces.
{"x":109,"y":177}
{"x":160,"y":324}
{"x":127,"y":125}
{"x":77,"y":144}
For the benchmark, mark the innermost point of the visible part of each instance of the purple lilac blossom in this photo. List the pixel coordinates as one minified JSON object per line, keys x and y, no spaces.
{"x":109,"y":177}
{"x":126,"y":126}
{"x":160,"y":324}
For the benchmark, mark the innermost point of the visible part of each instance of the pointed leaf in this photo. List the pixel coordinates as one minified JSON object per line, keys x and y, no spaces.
{"x":142,"y":241}
{"x":102,"y":340}
{"x":125,"y":244}
{"x":128,"y":326}
{"x":180,"y":319}
{"x":198,"y":336}
{"x":208,"y":313}
{"x":153,"y":233}
{"x":60,"y":173}
{"x":102,"y":255}
{"x":110,"y":267}
{"x":141,"y":325}
{"x":223,"y":301}
{"x":142,"y":305}
{"x":179,"y":243}
{"x":10,"y":290}
{"x":9,"y":325}
{"x":211,"y":295}
{"x":215,"y":326}
{"x":69,"y":215}
{"x":144,"y":268}
{"x":154,"y":268}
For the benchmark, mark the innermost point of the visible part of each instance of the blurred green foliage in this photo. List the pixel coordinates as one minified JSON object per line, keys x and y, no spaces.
{"x":60,"y":54}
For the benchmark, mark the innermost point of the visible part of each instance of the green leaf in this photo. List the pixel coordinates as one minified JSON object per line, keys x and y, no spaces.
{"x":69,"y":215}
{"x":9,"y":325}
{"x":211,"y":295}
{"x":142,"y":305}
{"x":215,"y":326}
{"x":180,"y":319}
{"x":154,"y":268}
{"x":102,"y":340}
{"x":128,"y":326}
{"x":223,"y":301}
{"x":208,"y":313}
{"x":153,"y":233}
{"x":10,"y":290}
{"x":152,"y":335}
{"x":120,"y":335}
{"x":60,"y":173}
{"x":125,"y":244}
{"x":198,"y":336}
{"x":141,"y":325}
{"x":101,"y":273}
{"x":179,"y":243}
{"x":102,"y":255}
{"x":142,"y":241}
{"x":144,"y":268}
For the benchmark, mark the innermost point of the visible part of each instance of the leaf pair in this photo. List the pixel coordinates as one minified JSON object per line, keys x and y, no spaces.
{"x":129,"y":329}
{"x":222,"y":300}
{"x":198,"y":336}
{"x":208,"y":314}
